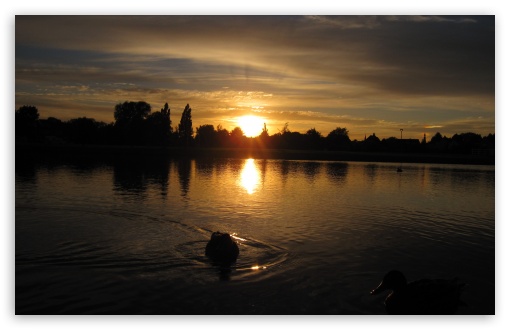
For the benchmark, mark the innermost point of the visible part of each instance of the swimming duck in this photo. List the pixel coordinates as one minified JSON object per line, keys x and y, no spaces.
{"x":222,"y":248}
{"x":425,"y":297}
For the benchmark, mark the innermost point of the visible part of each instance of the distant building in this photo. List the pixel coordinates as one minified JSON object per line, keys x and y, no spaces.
{"x":411,"y":144}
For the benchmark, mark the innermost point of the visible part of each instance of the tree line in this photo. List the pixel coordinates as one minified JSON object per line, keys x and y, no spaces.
{"x":136,"y":124}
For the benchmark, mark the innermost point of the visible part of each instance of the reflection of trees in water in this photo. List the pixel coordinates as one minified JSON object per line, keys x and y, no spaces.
{"x":461,"y":178}
{"x":469,"y":179}
{"x":158,"y":174}
{"x":311,"y":169}
{"x":370,"y":170}
{"x":26,"y":172}
{"x":286,"y":167}
{"x":236,"y":165}
{"x":136,"y":176}
{"x":337,"y":171}
{"x":295,"y":168}
{"x":205,"y":166}
{"x":435,"y":175}
{"x":284,"y":170}
{"x":488,"y":177}
{"x":129,"y":177}
{"x":184,"y":172}
{"x":84,"y":166}
{"x":28,"y":168}
{"x":262,"y":166}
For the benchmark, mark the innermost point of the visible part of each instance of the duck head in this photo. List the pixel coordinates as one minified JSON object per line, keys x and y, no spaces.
{"x":393,"y":280}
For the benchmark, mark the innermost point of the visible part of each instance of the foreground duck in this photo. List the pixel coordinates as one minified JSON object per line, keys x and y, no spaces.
{"x":430,"y":297}
{"x":222,"y":248}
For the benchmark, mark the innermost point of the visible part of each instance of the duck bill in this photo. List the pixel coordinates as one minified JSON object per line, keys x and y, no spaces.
{"x":382,"y":287}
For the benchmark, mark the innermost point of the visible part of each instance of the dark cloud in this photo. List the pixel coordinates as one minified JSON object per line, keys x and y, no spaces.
{"x":416,"y":54}
{"x":439,"y":58}
{"x":405,"y":55}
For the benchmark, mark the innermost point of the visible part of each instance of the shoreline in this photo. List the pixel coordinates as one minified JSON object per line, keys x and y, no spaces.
{"x":42,"y":151}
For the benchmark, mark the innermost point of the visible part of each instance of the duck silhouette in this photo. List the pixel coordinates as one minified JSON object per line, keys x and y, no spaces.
{"x":222,"y":249}
{"x":422,"y":297}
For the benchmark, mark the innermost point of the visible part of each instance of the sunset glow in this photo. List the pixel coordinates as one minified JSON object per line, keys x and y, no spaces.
{"x":251,"y":125}
{"x":369,"y":74}
{"x":320,"y":158}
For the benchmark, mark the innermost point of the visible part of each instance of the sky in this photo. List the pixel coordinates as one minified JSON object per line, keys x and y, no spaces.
{"x":84,"y":58}
{"x":369,"y":74}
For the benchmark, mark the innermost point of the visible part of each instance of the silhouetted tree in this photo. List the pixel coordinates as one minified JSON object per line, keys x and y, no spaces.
{"x":166,"y":111}
{"x":107,"y":133}
{"x":83,"y":130}
{"x":206,"y":136}
{"x":53,"y":129}
{"x":237,"y":138}
{"x":27,"y":113}
{"x":129,"y":112}
{"x":338,"y":139}
{"x":134,"y":123}
{"x":185,"y":129}
{"x":129,"y":120}
{"x":263,"y":140}
{"x":437,"y":138}
{"x":158,"y":127}
{"x":222,"y":135}
{"x":466,"y":142}
{"x":26,"y":122}
{"x":313,"y":139}
{"x":438,"y":143}
{"x":285,"y":129}
{"x":489,"y":141}
{"x":265,"y":132}
{"x":285,"y":139}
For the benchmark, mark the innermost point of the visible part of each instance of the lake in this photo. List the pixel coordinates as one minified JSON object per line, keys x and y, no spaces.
{"x":128,"y":235}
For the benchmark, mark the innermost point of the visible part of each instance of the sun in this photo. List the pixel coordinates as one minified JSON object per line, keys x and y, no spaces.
{"x":251,"y":125}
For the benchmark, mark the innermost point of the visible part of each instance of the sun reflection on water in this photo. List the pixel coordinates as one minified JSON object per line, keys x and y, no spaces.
{"x":250,"y":177}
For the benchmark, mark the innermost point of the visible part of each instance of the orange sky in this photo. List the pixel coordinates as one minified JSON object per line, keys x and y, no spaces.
{"x":370,"y":74}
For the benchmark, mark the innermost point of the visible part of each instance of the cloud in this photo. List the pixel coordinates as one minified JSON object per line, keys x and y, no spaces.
{"x":432,"y":19}
{"x":347,"y":22}
{"x":366,"y":67}
{"x":396,"y":56}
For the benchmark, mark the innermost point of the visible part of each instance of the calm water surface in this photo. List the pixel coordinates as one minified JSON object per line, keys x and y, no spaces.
{"x":128,"y":236}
